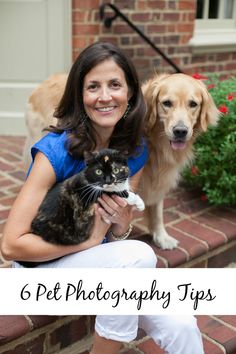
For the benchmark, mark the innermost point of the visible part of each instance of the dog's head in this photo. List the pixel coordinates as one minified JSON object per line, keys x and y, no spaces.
{"x":181,"y":104}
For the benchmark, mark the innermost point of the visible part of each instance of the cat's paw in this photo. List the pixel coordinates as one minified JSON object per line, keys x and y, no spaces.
{"x":140,"y":205}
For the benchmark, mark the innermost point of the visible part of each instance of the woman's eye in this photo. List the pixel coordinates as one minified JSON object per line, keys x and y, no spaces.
{"x":92,"y":87}
{"x":116,"y":170}
{"x":192,"y":104}
{"x":98,"y":172}
{"x":167,"y":103}
{"x":115,"y":84}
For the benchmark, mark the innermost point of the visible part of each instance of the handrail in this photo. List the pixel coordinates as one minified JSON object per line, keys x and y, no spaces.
{"x":108,"y":22}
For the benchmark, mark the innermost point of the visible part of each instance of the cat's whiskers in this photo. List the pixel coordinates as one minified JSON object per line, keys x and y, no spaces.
{"x":89,"y":194}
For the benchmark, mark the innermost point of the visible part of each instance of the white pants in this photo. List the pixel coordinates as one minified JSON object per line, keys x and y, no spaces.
{"x":175,"y":334}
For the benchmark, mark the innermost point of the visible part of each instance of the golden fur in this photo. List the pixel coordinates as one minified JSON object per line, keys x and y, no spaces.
{"x":170,"y":111}
{"x":179,"y":108}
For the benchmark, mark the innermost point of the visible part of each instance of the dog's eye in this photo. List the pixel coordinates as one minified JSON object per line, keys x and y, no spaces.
{"x":192,"y":104}
{"x":167,"y":103}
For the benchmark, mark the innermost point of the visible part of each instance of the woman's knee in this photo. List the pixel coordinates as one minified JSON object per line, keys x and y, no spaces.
{"x":141,"y":255}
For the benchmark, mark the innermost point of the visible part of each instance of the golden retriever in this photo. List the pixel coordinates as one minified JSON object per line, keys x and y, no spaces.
{"x":179,"y":107}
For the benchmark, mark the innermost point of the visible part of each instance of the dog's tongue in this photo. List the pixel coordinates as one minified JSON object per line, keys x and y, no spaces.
{"x":177,"y":145}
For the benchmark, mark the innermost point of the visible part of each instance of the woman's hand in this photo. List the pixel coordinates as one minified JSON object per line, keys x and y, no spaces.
{"x":99,"y":231}
{"x":115,"y":210}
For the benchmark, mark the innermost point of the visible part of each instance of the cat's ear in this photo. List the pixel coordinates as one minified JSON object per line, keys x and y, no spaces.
{"x":88,"y":156}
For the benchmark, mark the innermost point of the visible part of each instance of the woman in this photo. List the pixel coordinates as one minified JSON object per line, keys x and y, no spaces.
{"x":102,"y":107}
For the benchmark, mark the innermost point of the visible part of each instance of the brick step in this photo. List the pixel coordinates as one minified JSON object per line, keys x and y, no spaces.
{"x":73,"y":335}
{"x":206,"y":234}
{"x":207,"y":238}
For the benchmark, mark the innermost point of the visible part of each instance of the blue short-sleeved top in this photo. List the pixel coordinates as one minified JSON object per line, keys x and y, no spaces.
{"x":52,"y":145}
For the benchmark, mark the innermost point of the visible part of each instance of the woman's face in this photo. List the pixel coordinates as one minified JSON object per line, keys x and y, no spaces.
{"x":105,"y":94}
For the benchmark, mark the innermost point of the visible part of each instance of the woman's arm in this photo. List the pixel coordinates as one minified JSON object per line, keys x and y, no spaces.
{"x":17,"y":242}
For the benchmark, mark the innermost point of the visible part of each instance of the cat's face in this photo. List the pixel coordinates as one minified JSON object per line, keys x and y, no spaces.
{"x":107,"y":170}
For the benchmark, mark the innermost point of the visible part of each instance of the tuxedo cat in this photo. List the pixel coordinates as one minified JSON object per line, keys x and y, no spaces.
{"x":66,"y":214}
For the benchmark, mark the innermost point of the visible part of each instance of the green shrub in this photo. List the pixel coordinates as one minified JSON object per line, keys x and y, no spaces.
{"x":214,"y":167}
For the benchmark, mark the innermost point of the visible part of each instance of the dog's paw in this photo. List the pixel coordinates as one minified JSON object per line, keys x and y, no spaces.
{"x":165,"y":241}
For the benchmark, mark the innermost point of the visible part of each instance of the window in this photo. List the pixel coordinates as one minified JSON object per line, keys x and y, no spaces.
{"x":215,"y":26}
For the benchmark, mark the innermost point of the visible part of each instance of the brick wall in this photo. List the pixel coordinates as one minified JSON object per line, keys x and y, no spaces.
{"x":169,"y":24}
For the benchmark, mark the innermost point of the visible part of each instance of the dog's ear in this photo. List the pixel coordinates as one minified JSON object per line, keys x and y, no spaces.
{"x":209,"y":114}
{"x":151,"y":89}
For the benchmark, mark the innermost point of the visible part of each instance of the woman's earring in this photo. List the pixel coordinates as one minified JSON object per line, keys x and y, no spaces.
{"x":127,"y":111}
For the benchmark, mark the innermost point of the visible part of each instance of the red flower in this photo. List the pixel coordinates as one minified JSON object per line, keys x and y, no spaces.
{"x":230,"y":97}
{"x":203,"y":198}
{"x":199,"y":76}
{"x":211,"y":86}
{"x":194,"y":170}
{"x":223,"y":109}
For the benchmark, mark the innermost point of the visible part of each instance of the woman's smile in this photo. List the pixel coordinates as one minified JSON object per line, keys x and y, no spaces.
{"x":105,"y":109}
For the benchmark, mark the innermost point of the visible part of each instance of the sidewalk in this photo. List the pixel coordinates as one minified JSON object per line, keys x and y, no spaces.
{"x":207,"y":238}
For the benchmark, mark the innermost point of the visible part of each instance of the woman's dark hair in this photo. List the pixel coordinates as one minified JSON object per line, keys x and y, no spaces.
{"x":70,"y":111}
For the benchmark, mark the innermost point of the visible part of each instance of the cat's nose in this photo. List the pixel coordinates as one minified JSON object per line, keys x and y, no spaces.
{"x":108,"y":179}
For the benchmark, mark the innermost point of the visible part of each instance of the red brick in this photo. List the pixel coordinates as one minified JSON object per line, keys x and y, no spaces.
{"x":150,"y":347}
{"x":40,"y":321}
{"x":3,"y":215}
{"x":212,"y":237}
{"x":7,"y":201}
{"x":85,"y":29}
{"x":35,"y":346}
{"x":170,"y":216}
{"x":193,"y":247}
{"x":172,"y":16}
{"x":78,"y":16}
{"x":192,"y":206}
{"x":18,"y":175}
{"x":6,"y":166}
{"x":85,"y":4}
{"x":222,"y":259}
{"x":218,"y":224}
{"x":185,"y":28}
{"x":170,"y":202}
{"x":156,"y":29}
{"x":122,"y":29}
{"x":173,"y":257}
{"x":222,"y":334}
{"x":140,"y":17}
{"x":69,"y":333}
{"x":231,"y":320}
{"x":12,"y":327}
{"x":155,"y":4}
{"x":124,"y":4}
{"x":212,"y":348}
{"x":225,"y":213}
{"x":187,"y":5}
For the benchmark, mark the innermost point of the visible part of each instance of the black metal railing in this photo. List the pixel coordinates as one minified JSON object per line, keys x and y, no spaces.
{"x":117,"y":13}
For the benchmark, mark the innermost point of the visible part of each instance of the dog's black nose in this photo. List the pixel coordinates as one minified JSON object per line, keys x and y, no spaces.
{"x":180,"y":132}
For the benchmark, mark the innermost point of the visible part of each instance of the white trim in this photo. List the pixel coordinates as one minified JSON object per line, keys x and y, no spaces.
{"x":214,"y":35}
{"x":11,"y":115}
{"x":213,"y":41}
{"x":18,"y":84}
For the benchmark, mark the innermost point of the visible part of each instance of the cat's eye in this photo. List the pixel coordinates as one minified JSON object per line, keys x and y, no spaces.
{"x":116,"y":170}
{"x":98,"y":172}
